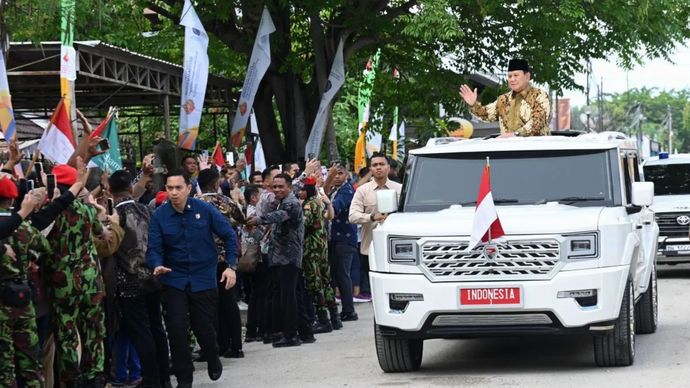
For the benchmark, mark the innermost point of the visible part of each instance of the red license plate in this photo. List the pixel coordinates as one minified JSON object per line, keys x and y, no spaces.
{"x":489,"y":296}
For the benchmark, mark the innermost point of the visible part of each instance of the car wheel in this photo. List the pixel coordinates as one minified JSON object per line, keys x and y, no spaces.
{"x":647,"y":309}
{"x":398,"y":354}
{"x":617,"y":347}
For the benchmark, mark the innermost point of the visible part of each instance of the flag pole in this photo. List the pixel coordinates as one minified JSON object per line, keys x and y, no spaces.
{"x":488,"y":170}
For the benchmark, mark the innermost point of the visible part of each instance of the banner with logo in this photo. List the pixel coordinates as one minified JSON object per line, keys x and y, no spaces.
{"x":258,"y":64}
{"x":194,"y":78}
{"x":68,"y":56}
{"x":363,"y":108}
{"x":6,"y":113}
{"x":335,"y":80}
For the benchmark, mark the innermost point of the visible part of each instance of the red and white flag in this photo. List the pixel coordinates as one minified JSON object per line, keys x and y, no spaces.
{"x":486,"y":225}
{"x":217,"y":156}
{"x":57,"y":143}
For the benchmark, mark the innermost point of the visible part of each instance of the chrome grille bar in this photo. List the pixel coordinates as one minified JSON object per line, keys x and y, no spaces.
{"x":447,"y":260}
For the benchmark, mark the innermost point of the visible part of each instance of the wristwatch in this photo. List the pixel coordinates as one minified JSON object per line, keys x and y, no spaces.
{"x":516,"y":133}
{"x":233,"y":267}
{"x":371,"y":217}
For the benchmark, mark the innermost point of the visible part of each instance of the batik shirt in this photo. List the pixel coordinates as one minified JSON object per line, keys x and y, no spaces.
{"x":230,"y":211}
{"x":532,"y":118}
{"x":25,"y":240}
{"x":73,"y":268}
{"x":287,"y":236}
{"x":131,"y":270}
{"x":315,"y":236}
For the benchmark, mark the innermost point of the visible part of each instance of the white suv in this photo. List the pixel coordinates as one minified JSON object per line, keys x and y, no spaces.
{"x":671,"y":177}
{"x":578,"y":255}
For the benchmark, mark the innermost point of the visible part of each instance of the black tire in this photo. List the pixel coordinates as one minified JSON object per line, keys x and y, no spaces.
{"x":647,"y":309}
{"x":617,"y":347}
{"x":398,"y":354}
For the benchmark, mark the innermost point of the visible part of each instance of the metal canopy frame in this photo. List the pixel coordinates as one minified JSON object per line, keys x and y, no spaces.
{"x":106,"y":75}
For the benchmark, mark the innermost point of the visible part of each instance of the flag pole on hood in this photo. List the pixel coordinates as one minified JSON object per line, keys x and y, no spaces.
{"x":486,"y":225}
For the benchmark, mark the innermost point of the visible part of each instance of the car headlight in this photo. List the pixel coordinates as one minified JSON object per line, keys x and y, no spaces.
{"x":403,"y":251}
{"x":582,"y":246}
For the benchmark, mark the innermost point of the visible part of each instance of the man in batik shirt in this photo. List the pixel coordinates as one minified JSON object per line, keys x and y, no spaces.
{"x":229,"y":320}
{"x":524,"y":111}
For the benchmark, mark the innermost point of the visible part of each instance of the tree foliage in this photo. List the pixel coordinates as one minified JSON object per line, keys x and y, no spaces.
{"x":655,"y":105}
{"x":434,"y":43}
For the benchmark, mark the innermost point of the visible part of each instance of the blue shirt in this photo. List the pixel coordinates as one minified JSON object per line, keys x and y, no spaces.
{"x":184,"y":243}
{"x":341,"y":228}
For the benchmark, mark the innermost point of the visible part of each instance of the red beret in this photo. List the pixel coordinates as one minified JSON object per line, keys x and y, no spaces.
{"x":161,"y":197}
{"x":310,"y":181}
{"x":65,"y":174}
{"x":8,"y":189}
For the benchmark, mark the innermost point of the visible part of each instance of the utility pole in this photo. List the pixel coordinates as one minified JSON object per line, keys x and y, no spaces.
{"x":557,"y":124}
{"x":587,"y":111}
{"x":600,"y":103}
{"x":670,"y":129}
{"x":639,"y":128}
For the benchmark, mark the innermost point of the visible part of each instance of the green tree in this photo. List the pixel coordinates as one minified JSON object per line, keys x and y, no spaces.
{"x":432,"y":42}
{"x":655,"y":104}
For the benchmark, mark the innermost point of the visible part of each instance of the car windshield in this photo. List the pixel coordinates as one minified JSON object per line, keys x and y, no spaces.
{"x":669,"y":179}
{"x":579,"y":178}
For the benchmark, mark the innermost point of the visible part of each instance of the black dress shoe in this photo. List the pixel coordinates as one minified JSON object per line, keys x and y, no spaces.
{"x":307,"y":339}
{"x":250,"y":339}
{"x":215,"y":369}
{"x":287,"y":342}
{"x":346,"y":317}
{"x":231,"y":353}
{"x":271,"y":338}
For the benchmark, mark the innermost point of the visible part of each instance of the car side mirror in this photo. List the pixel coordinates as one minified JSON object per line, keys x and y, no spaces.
{"x":643,"y":193}
{"x":387,"y":201}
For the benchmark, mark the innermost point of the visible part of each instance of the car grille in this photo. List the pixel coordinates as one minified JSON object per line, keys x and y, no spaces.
{"x":669,"y":226}
{"x":448,"y":261}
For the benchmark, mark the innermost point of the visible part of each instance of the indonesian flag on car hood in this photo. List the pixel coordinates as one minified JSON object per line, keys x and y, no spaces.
{"x":486,"y":225}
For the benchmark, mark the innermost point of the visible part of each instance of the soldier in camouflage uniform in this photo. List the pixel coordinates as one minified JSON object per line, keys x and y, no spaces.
{"x":75,"y":284}
{"x":229,"y":320}
{"x":316,"y":267}
{"x":19,"y":349}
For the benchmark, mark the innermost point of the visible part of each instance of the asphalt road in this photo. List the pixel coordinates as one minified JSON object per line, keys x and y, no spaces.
{"x":347,"y":358}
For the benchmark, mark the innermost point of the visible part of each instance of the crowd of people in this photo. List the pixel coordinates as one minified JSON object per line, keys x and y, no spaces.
{"x":119,"y":282}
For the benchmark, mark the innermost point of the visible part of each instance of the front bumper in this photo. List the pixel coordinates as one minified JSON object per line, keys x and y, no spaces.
{"x":666,"y":255}
{"x":539,"y":299}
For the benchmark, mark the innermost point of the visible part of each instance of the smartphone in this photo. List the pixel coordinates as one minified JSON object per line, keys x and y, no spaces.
{"x":104,"y":144}
{"x":111,"y":206}
{"x":23,"y":186}
{"x":39,"y":169}
{"x":230,"y":158}
{"x":29,"y":185}
{"x":50,"y":182}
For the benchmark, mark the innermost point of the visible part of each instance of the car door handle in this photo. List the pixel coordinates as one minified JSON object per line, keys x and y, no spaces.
{"x":638,"y":226}
{"x":647,"y":222}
